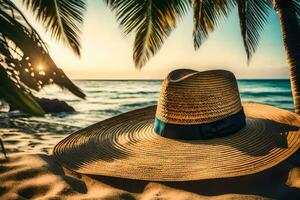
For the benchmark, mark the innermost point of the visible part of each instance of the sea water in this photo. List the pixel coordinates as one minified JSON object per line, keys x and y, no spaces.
{"x":107,"y":98}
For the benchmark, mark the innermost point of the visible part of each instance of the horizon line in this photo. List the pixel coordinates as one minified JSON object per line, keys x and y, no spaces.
{"x":239,"y":79}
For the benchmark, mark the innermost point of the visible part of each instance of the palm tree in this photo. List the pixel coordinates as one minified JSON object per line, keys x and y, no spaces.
{"x":289,"y":15}
{"x":153,"y":20}
{"x":22,"y":51}
{"x":253,"y":15}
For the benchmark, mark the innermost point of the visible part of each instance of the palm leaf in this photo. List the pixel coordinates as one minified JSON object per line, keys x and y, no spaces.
{"x":151,"y":20}
{"x":253,"y":16}
{"x":296,"y":5}
{"x":207,"y":15}
{"x":62,"y":17}
{"x":16,"y":97}
{"x":23,"y":51}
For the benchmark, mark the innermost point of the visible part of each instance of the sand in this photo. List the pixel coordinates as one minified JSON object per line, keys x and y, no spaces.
{"x":32,"y":173}
{"x":32,"y":136}
{"x":38,"y":176}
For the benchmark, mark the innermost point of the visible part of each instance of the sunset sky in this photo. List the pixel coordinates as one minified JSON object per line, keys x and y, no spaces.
{"x":107,"y":54}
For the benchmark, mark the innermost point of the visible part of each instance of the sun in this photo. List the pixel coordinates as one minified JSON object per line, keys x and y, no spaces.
{"x":40,"y":67}
{"x":41,"y":70}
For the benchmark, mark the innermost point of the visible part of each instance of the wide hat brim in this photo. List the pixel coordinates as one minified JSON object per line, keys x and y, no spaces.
{"x":126,"y":146}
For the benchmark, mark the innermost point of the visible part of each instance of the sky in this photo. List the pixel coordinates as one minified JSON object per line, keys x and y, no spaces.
{"x":107,"y":53}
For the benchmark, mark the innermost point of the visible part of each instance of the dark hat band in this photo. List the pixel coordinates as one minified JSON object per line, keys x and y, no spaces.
{"x":220,"y":128}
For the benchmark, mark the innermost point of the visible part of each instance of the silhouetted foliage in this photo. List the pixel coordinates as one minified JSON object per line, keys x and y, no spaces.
{"x":25,"y":63}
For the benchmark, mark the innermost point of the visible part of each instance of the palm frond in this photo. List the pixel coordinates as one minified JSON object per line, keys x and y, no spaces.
{"x":23,"y":51}
{"x":207,"y":15}
{"x":16,"y":96}
{"x":62,"y":17}
{"x":253,"y":16}
{"x":296,"y":5}
{"x":151,"y":20}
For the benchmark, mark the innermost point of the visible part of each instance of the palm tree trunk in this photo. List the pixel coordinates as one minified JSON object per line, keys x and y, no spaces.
{"x":291,"y":39}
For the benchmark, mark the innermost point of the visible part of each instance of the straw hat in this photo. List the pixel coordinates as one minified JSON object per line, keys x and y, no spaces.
{"x":198,"y":130}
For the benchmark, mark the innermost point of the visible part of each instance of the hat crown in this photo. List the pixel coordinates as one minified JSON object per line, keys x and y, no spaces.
{"x":192,"y":97}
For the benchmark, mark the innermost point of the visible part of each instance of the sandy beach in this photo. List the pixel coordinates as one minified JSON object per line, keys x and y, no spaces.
{"x":32,"y":173}
{"x":38,"y":176}
{"x":128,"y":100}
{"x":32,"y":136}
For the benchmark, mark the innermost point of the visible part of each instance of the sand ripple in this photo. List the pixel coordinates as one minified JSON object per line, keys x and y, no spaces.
{"x":39,"y":176}
{"x":30,"y":136}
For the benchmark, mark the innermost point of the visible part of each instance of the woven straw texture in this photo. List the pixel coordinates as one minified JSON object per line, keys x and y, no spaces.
{"x":126,"y":146}
{"x":191,"y":97}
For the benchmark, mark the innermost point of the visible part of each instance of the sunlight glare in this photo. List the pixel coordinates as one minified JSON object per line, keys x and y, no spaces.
{"x":40,"y":67}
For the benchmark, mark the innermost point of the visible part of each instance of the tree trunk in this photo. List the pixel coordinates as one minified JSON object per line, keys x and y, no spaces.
{"x":291,"y":39}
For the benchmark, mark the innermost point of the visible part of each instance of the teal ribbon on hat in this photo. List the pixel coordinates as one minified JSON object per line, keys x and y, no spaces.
{"x":216,"y":129}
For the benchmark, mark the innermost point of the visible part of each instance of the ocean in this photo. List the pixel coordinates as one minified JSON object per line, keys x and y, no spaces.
{"x":107,"y":98}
